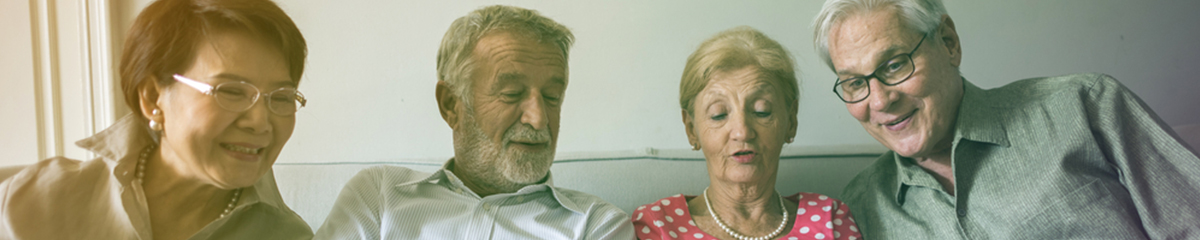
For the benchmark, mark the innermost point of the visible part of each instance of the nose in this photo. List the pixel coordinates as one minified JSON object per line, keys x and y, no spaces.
{"x":881,"y":96}
{"x":533,"y":111}
{"x":257,"y":118}
{"x":741,"y":132}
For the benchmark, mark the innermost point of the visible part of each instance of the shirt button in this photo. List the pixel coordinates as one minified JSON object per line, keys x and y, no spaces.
{"x":962,"y":212}
{"x":487,"y":206}
{"x":520,"y":198}
{"x":458,"y":190}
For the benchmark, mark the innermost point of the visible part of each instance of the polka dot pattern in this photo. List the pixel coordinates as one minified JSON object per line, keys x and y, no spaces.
{"x":817,"y":217}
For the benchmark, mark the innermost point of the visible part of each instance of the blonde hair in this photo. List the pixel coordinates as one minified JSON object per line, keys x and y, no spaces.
{"x":733,"y":49}
{"x":454,"y":64}
{"x":924,"y":16}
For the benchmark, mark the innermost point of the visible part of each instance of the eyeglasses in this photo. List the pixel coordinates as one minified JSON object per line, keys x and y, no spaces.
{"x":240,"y":96}
{"x":891,"y":73}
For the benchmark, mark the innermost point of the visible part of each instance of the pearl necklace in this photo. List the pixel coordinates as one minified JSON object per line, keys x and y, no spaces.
{"x":782,"y":224}
{"x":141,"y":172}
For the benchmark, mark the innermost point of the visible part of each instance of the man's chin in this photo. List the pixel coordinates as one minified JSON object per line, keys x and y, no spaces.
{"x":908,"y":149}
{"x":529,"y":172}
{"x":525,"y":178}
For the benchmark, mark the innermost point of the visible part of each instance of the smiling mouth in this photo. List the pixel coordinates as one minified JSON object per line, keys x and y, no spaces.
{"x":898,"y":121}
{"x":241,"y":149}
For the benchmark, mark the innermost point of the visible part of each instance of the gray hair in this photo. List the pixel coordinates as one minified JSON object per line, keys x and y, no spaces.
{"x":921,"y":15}
{"x":454,"y":62}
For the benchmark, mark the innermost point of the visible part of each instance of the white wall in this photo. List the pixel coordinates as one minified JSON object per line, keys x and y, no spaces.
{"x":371,"y":67}
{"x":371,"y":76}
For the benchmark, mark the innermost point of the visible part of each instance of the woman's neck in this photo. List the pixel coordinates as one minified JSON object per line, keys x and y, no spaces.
{"x":744,"y":203}
{"x":752,"y":210}
{"x":179,"y":205}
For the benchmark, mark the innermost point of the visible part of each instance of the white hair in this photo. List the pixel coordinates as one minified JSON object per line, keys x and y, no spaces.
{"x":454,"y":64}
{"x":923,"y":16}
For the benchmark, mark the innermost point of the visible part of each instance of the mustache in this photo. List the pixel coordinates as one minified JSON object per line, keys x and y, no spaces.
{"x":525,"y":133}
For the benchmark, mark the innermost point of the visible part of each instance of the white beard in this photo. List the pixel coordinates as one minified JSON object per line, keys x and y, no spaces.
{"x":493,"y":164}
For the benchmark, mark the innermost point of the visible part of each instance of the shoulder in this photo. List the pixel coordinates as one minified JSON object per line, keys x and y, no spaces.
{"x":386,"y":176}
{"x":875,"y":179}
{"x":667,"y":204}
{"x":593,"y":205}
{"x":54,"y":191}
{"x":814,"y":203}
{"x":1072,"y":85}
{"x":655,"y":215}
{"x":59,"y":173}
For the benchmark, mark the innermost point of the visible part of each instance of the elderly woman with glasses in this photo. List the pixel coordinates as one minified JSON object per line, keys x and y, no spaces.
{"x":213,"y":87}
{"x":738,"y":97}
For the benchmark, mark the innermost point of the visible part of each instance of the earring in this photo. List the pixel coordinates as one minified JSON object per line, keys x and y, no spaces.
{"x":154,"y":125}
{"x":790,"y":140}
{"x":695,"y":147}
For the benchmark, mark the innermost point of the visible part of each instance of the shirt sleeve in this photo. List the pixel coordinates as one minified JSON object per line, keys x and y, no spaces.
{"x":642,"y":219}
{"x":355,"y":215}
{"x":610,"y":223}
{"x":844,"y":226}
{"x":1161,"y":173}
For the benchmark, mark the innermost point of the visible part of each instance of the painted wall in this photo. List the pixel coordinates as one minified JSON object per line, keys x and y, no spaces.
{"x":371,"y":67}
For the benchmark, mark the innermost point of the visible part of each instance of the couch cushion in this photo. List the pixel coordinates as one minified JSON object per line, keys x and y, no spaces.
{"x":626,"y":179}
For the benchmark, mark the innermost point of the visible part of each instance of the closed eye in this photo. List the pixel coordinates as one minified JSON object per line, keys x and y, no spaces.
{"x":554,"y":100}
{"x":511,"y":96}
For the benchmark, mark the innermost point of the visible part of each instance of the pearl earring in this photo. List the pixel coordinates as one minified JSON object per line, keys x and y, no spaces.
{"x":790,"y":140}
{"x":695,"y":147}
{"x":154,"y":125}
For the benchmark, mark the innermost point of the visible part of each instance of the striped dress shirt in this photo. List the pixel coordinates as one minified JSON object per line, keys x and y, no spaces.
{"x":1069,"y":157}
{"x":390,"y":202}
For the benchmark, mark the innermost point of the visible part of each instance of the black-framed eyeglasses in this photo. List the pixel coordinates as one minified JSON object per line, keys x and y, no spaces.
{"x":240,"y":96}
{"x":892,"y":72}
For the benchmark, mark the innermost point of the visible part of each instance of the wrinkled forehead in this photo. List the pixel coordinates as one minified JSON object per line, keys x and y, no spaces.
{"x":861,"y":40}
{"x":508,"y":46}
{"x":747,"y":81}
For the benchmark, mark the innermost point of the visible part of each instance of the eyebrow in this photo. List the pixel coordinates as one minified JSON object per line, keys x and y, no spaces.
{"x":762,"y":88}
{"x":235,"y":77}
{"x":884,"y":55}
{"x":503,"y":78}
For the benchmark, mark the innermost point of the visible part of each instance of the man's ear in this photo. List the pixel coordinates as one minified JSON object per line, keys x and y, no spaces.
{"x":447,"y":103}
{"x":148,"y":99}
{"x":950,"y":40}
{"x":689,"y":126}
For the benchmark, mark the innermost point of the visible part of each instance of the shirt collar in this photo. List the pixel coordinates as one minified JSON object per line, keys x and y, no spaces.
{"x":122,"y":143}
{"x":977,"y":118}
{"x":976,"y":121}
{"x":445,"y":174}
{"x":127,"y":137}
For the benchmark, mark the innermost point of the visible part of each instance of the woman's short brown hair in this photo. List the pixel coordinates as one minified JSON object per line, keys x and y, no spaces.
{"x":166,"y":34}
{"x":733,"y":49}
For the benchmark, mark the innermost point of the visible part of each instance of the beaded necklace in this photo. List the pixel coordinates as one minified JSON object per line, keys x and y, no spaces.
{"x":141,"y":172}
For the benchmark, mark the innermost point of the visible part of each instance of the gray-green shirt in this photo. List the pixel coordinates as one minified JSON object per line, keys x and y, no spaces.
{"x":1069,"y":157}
